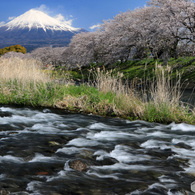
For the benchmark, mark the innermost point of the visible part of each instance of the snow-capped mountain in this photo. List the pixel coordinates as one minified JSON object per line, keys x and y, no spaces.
{"x":35,"y":29}
{"x":37,"y":19}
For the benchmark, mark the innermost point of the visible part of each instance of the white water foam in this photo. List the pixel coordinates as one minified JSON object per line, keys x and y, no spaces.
{"x":42,"y":128}
{"x":174,"y":193}
{"x":62,"y":173}
{"x":122,"y":154}
{"x":41,"y":158}
{"x":188,"y":142}
{"x":182,"y":127}
{"x":113,"y":176}
{"x":20,"y":112}
{"x":16,"y":119}
{"x":156,"y":185}
{"x":10,"y":158}
{"x":47,"y":116}
{"x":158,"y":134}
{"x":62,"y":126}
{"x":110,"y":135}
{"x":184,"y":153}
{"x":99,"y":126}
{"x":2,"y":176}
{"x":70,"y":150}
{"x":122,"y":166}
{"x":82,"y":142}
{"x":136,"y":192}
{"x":191,"y":168}
{"x":165,"y":179}
{"x":27,"y":116}
{"x":32,"y":187}
{"x":154,"y":144}
{"x":6,"y":109}
{"x":138,"y":122}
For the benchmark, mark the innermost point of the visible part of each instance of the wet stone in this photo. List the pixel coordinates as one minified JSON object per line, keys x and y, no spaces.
{"x":12,"y":133}
{"x":133,"y":145}
{"x":78,"y":165}
{"x":107,"y":161}
{"x":182,"y":145}
{"x":177,"y":163}
{"x":9,"y":186}
{"x":5,"y":114}
{"x":157,"y":190}
{"x":4,"y":192}
{"x":86,"y":154}
{"x":162,"y":154}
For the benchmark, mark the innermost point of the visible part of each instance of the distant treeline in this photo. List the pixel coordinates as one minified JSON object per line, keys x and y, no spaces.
{"x":13,"y":48}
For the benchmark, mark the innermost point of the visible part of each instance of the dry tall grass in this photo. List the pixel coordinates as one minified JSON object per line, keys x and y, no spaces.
{"x":161,"y":102}
{"x":165,"y":98}
{"x":22,"y":70}
{"x":106,"y":82}
{"x":163,"y":89}
{"x":127,"y":101}
{"x":22,"y":82}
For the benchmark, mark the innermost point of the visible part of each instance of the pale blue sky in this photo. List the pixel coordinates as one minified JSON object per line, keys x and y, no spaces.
{"x":83,"y":13}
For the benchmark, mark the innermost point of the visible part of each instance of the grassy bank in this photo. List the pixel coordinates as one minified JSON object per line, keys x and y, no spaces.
{"x":23,"y":82}
{"x":143,"y":70}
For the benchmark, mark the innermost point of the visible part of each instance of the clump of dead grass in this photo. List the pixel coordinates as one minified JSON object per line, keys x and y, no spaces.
{"x":159,"y":103}
{"x":22,"y":70}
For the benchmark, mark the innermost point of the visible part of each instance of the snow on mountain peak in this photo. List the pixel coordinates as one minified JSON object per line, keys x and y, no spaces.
{"x":38,"y":19}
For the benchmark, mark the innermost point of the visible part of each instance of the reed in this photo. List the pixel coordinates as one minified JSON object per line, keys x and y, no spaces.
{"x":164,"y":104}
{"x":160,"y":101}
{"x":126,"y":101}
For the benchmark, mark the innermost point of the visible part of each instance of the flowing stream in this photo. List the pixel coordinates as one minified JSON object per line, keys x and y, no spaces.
{"x":51,"y":153}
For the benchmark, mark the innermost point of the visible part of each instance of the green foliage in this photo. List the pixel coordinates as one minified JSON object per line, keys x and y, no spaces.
{"x":13,"y":48}
{"x":86,"y":99}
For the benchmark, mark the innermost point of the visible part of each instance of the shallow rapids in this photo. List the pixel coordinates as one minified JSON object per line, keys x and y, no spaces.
{"x":51,"y":152}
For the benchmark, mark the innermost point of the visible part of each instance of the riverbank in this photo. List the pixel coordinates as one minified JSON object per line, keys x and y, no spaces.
{"x":105,"y":95}
{"x":143,"y":70}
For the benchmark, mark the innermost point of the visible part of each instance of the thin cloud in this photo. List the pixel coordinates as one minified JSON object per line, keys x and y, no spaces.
{"x":59,"y":16}
{"x":95,"y":26}
{"x":11,"y":18}
{"x":43,"y":8}
{"x":62,"y":19}
{"x":2,"y":23}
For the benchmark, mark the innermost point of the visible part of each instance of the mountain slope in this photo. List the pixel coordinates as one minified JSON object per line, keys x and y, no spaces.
{"x":36,"y":29}
{"x":37,"y":19}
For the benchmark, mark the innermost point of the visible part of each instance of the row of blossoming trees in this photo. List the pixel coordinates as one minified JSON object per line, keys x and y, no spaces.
{"x":162,"y":29}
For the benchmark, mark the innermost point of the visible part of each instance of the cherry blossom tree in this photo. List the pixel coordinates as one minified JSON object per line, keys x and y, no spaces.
{"x":83,"y":49}
{"x":49,"y":56}
{"x":177,"y":17}
{"x":163,"y":29}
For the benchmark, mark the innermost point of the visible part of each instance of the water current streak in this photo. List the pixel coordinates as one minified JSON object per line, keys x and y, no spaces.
{"x":51,"y":152}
